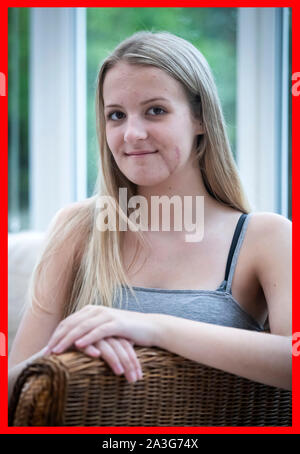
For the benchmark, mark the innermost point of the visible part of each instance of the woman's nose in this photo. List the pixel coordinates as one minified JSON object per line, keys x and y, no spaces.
{"x":134,"y":130}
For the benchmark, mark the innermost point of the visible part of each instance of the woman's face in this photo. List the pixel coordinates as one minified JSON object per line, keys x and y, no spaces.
{"x":150,"y":129}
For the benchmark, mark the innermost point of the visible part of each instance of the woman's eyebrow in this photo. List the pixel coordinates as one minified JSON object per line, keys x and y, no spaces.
{"x":142,"y":103}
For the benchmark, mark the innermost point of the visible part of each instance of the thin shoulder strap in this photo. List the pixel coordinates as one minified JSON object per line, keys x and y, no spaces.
{"x":235,"y":247}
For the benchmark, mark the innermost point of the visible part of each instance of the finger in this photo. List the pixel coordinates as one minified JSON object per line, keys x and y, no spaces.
{"x":124,"y":346}
{"x":85,"y":325}
{"x":73,"y":320}
{"x":92,"y":351}
{"x":128,"y":345}
{"x":65,"y":326}
{"x":127,"y":357}
{"x":110,"y":356}
{"x":70,"y":335}
{"x":107,"y":329}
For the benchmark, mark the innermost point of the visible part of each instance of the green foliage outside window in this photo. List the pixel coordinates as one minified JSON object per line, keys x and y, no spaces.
{"x":18,"y":82}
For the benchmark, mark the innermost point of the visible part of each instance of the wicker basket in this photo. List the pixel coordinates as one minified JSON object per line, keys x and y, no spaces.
{"x":73,"y":389}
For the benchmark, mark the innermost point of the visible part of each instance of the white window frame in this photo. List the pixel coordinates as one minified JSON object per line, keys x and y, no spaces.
{"x":262,"y":106}
{"x":57,"y":111}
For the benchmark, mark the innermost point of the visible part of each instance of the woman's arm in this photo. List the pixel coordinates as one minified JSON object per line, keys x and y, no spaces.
{"x":262,"y":357}
{"x":45,"y":312}
{"x":42,"y":316}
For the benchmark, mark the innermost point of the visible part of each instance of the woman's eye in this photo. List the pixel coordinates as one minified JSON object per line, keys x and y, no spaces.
{"x":156,"y":111}
{"x":116,"y":116}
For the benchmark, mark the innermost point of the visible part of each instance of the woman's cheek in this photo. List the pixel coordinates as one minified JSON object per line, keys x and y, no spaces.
{"x":174,"y":160}
{"x":177,"y":154}
{"x":111,"y":138}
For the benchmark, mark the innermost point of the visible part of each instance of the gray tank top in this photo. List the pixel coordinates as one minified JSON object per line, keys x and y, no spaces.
{"x":209,"y":306}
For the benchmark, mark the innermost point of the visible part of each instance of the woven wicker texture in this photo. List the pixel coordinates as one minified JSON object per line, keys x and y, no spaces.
{"x":73,"y":389}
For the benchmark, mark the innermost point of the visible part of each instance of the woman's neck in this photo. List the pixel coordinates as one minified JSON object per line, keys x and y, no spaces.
{"x":183,"y":191}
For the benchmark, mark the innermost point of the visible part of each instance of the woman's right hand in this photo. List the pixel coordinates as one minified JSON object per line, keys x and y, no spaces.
{"x":120,"y":355}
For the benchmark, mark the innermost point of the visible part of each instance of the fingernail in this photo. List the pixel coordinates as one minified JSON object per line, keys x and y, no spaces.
{"x":93,"y":351}
{"x":119,"y":369}
{"x":139,"y":374}
{"x":132,"y":377}
{"x":47,"y":351}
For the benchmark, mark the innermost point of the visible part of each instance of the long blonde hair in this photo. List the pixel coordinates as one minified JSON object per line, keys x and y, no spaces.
{"x":98,"y":274}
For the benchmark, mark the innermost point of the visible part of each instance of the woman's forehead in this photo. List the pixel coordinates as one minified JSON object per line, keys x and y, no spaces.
{"x":134,"y":79}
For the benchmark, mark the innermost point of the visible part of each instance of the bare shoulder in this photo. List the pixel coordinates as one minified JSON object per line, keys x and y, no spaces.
{"x":69,"y":229}
{"x":267,"y":223}
{"x":68,"y":212}
{"x":73,"y":220}
{"x":270,"y":239}
{"x":270,"y":242}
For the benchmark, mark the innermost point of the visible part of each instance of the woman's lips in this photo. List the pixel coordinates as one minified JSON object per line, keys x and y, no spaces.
{"x":140,"y":153}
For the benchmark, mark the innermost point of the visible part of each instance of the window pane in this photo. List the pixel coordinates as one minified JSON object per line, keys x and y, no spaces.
{"x":211,"y":30}
{"x":18,"y":165}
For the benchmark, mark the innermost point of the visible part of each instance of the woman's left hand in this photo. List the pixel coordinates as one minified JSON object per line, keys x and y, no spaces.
{"x":93,"y":323}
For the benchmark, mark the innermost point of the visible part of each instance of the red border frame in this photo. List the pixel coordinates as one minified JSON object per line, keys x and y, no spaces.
{"x":4,"y":429}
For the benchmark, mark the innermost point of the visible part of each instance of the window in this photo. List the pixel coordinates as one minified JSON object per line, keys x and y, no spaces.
{"x":263,"y":130}
{"x":54,"y":56}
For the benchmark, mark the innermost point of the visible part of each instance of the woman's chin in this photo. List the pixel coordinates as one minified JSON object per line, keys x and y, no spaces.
{"x":146,"y":181}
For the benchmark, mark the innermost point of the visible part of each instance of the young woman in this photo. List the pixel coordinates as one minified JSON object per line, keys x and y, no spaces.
{"x":103,"y":290}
